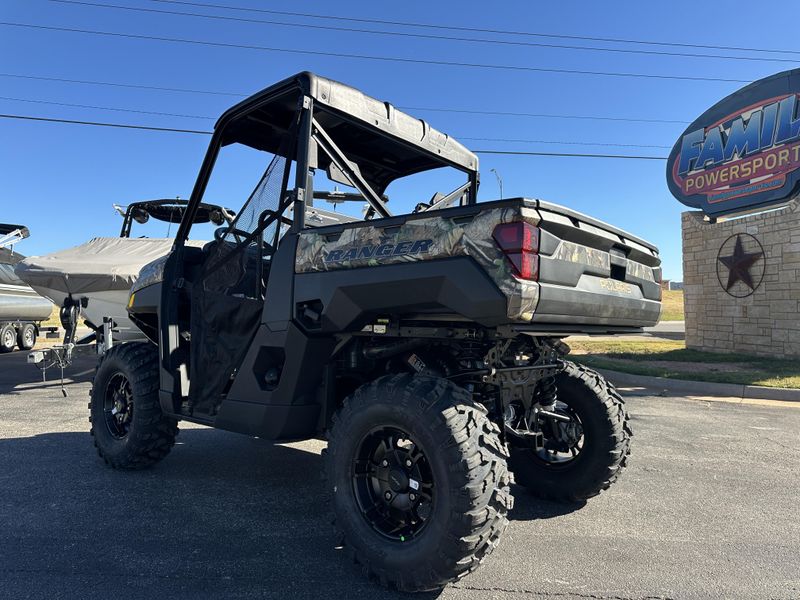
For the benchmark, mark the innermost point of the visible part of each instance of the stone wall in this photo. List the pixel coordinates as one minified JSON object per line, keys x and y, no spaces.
{"x":764,"y":321}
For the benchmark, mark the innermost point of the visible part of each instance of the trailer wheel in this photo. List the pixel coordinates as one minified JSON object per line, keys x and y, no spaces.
{"x":420,"y":488}
{"x":585,"y":455}
{"x":26,"y":337}
{"x":8,"y":338}
{"x":129,"y":429}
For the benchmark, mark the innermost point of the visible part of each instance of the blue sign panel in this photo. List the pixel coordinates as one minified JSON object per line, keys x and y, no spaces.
{"x":743,"y":153}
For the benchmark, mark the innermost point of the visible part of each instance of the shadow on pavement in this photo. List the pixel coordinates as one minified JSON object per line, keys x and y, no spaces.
{"x":16,"y":374}
{"x":528,"y":507}
{"x":669,"y":335}
{"x":223,"y":516}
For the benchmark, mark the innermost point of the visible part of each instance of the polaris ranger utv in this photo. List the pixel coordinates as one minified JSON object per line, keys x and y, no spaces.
{"x":424,"y":346}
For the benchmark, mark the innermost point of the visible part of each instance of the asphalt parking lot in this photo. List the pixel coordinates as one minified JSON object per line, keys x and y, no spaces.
{"x":708,"y":508}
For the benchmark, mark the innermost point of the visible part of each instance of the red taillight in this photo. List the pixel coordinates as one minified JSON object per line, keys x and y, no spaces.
{"x":519,"y":241}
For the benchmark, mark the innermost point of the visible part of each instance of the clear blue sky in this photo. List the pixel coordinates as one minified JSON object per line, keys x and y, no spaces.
{"x":61,"y":179}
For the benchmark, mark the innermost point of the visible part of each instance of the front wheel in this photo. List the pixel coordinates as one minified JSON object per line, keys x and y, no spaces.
{"x":419,"y":481}
{"x":586,"y":448}
{"x":129,"y":429}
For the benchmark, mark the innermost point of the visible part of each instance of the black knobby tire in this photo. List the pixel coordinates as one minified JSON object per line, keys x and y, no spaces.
{"x":147,"y":435}
{"x":8,"y":338}
{"x":606,"y":443}
{"x":465,"y":459}
{"x":26,"y":337}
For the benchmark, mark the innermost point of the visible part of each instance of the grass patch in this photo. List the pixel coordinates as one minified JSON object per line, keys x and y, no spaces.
{"x":673,"y":360}
{"x":672,"y":305}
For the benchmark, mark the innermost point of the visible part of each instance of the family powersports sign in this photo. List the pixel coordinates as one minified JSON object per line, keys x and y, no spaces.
{"x":744,"y":152}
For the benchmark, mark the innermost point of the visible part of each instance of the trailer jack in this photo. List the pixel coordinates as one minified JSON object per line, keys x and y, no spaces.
{"x":60,"y":356}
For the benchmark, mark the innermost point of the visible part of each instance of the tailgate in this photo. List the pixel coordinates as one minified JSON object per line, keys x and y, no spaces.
{"x":592,"y":273}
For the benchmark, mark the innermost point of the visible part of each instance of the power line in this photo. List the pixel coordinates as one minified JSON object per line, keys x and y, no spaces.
{"x":195,"y":131}
{"x":395,"y":59}
{"x":101,"y":124}
{"x":524,"y":141}
{"x":423,"y":35}
{"x":121,"y":85}
{"x":210,"y":118}
{"x":565,"y":154}
{"x":415,"y":108}
{"x":112,"y":108}
{"x":478,"y":29}
{"x":542,"y":115}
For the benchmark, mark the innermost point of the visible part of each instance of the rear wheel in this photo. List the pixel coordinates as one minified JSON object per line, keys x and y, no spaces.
{"x":26,"y":338}
{"x":8,"y":338}
{"x":129,"y":429}
{"x":419,"y":481}
{"x":585,"y":447}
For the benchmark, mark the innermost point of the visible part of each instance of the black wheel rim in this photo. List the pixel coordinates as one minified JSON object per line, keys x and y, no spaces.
{"x":393,"y":484}
{"x":564,"y":441}
{"x":118,"y":406}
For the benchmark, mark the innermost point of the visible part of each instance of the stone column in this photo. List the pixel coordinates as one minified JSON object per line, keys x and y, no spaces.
{"x":742,"y":283}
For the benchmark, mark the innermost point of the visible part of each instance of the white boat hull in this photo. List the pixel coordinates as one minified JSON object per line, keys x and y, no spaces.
{"x":99,"y":305}
{"x":99,"y":273}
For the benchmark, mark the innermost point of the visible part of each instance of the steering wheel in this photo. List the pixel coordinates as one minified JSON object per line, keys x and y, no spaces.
{"x":240,"y":237}
{"x":238,"y":234}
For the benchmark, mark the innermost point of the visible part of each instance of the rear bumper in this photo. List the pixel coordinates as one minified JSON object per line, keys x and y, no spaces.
{"x":596,"y":302}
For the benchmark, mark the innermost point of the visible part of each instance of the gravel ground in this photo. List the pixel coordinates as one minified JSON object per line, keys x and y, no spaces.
{"x":707,"y":509}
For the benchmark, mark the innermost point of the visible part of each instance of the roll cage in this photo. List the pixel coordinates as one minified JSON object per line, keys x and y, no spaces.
{"x":357,"y":140}
{"x":306,"y":123}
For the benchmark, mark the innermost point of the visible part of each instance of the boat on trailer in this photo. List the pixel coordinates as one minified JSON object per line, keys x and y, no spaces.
{"x":21,"y":309}
{"x":93,"y":280}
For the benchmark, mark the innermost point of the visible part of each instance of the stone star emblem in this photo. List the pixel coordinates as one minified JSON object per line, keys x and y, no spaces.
{"x":739,"y":264}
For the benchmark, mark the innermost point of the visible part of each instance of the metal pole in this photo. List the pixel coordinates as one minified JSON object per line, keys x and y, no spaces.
{"x":301,"y":175}
{"x":499,"y":182}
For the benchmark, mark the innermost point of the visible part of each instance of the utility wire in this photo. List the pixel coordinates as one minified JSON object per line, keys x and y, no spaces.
{"x":415,"y":108}
{"x":541,"y":115}
{"x":210,"y":118}
{"x":440,"y":26}
{"x":112,"y":108}
{"x":121,"y":85}
{"x":524,"y":141}
{"x":195,"y":131}
{"x":395,"y":59}
{"x":565,"y":154}
{"x":423,"y":35}
{"x":100,"y":124}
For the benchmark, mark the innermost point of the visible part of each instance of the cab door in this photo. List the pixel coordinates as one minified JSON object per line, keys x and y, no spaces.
{"x":227,"y":296}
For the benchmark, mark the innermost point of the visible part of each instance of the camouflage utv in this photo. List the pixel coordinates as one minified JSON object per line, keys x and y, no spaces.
{"x":425,"y":346}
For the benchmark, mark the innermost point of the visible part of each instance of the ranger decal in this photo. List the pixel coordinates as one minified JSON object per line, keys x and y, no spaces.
{"x":379,"y":251}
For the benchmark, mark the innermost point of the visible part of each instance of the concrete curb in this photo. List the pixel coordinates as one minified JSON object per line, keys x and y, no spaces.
{"x":702,"y":388}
